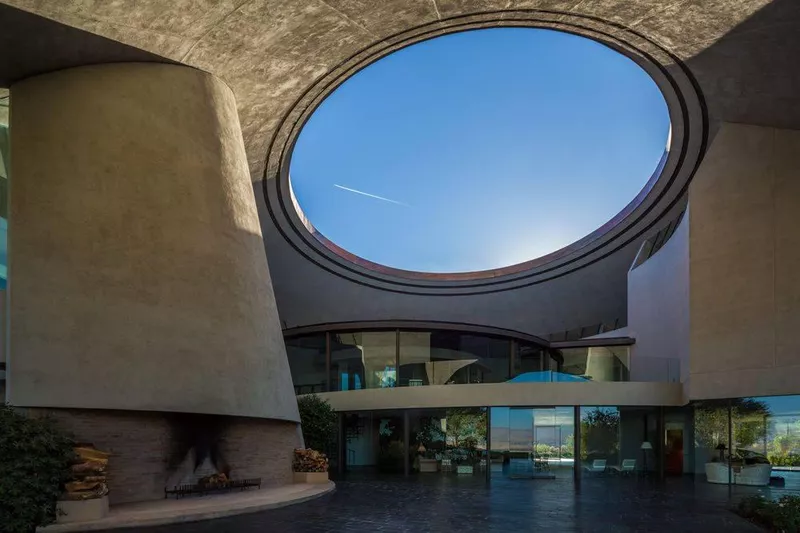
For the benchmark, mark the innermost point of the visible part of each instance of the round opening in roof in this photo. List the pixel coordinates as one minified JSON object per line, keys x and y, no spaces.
{"x":479,"y":150}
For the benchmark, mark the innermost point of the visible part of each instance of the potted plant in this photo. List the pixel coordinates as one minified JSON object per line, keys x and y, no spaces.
{"x":468,"y":456}
{"x":430,"y":436}
{"x":310,"y":466}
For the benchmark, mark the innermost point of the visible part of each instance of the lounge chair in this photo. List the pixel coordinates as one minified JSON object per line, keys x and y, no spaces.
{"x":627,"y":467}
{"x":598,"y":466}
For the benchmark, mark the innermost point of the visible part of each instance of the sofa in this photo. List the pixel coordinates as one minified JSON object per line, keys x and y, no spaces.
{"x":757,"y":474}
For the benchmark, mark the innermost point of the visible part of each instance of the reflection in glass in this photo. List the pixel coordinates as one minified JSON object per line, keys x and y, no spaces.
{"x":363,"y":360}
{"x":712,"y":446}
{"x":532,"y":442}
{"x":449,"y":357}
{"x":306,"y":356}
{"x":749,"y":442}
{"x":4,"y":168}
{"x":448,"y":440}
{"x":600,"y":439}
{"x":596,"y":363}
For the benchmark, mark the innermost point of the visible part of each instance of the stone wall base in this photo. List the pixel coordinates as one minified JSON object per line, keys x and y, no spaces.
{"x":141,"y":443}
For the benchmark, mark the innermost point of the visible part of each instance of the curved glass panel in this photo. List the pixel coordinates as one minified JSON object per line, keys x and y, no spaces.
{"x":386,"y":358}
{"x":479,"y":150}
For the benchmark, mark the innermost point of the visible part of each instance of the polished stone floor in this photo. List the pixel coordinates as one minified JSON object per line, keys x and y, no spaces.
{"x":467,"y":504}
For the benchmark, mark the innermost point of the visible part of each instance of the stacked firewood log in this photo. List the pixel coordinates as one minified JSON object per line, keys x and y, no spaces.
{"x":88,"y":474}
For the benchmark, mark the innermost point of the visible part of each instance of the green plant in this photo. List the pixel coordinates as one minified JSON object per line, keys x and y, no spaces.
{"x":318,"y":421}
{"x":34,"y":465}
{"x":391,"y":457}
{"x":779,"y":515}
{"x":600,"y":434}
{"x":788,"y":459}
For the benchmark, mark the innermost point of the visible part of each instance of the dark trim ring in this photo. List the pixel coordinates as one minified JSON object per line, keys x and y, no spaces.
{"x":688,"y":114}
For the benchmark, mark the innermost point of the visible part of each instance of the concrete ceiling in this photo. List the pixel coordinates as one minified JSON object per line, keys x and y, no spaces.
{"x":732,"y":60}
{"x":742,"y":52}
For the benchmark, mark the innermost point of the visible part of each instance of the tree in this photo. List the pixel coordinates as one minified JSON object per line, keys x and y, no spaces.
{"x":600,"y":433}
{"x":711,"y":422}
{"x":466,"y":423}
{"x":318,"y":421}
{"x":34,"y":465}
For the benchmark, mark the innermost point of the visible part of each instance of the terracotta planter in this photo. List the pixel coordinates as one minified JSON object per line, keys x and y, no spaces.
{"x":82,"y":510}
{"x":311,"y":477}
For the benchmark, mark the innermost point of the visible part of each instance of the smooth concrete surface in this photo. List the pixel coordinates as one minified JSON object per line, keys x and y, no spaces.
{"x":271,"y":52}
{"x":658,"y":307}
{"x":742,"y":52}
{"x":193,"y":509}
{"x":82,"y":510}
{"x":745,"y":259}
{"x":508,"y":394}
{"x":139,"y":275}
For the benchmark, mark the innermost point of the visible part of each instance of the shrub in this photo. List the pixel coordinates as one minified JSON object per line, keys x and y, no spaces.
{"x":318,"y":421}
{"x":306,"y":460}
{"x":34,"y":465}
{"x":784,"y":459}
{"x":779,"y":515}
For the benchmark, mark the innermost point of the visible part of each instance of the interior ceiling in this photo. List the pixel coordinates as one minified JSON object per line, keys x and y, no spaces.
{"x":742,"y":52}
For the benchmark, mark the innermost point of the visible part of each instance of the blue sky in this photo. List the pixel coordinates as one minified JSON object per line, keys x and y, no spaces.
{"x":486,"y":148}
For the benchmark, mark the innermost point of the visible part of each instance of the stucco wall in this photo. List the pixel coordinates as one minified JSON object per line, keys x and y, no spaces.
{"x":508,"y":394}
{"x":138,"y":273}
{"x":658,"y":309}
{"x":744,"y":265}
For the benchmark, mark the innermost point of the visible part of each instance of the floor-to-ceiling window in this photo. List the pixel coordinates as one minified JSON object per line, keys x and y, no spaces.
{"x":363,"y":360}
{"x":442,"y":357}
{"x":532,"y":442}
{"x":749,"y":443}
{"x":307,"y":362}
{"x":4,"y":171}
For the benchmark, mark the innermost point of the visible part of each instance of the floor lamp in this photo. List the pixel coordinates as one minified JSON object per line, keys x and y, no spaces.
{"x":645,"y":447}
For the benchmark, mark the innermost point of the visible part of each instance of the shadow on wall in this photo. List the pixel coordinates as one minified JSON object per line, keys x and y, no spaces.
{"x":761,"y":83}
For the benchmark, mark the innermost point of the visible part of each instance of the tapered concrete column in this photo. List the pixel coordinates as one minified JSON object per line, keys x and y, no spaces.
{"x":138,"y":274}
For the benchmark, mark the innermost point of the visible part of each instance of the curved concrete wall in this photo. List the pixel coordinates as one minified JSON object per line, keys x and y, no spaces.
{"x":658,"y":308}
{"x":308,"y":294}
{"x":138,"y":274}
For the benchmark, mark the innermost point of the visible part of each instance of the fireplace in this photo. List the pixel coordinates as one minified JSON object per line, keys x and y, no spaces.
{"x":153,"y":450}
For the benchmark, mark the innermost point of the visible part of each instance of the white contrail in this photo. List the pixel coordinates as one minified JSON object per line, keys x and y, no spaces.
{"x":370,"y":195}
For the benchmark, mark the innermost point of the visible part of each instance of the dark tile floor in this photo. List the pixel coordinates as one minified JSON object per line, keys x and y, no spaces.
{"x":365,"y":503}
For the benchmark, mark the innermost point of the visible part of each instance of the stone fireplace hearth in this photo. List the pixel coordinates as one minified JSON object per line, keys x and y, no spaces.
{"x":151,"y":450}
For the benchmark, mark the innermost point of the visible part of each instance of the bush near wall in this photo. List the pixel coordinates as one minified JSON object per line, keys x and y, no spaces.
{"x":318,"y":422}
{"x":784,"y":459}
{"x":782,"y":515}
{"x":34,"y":465}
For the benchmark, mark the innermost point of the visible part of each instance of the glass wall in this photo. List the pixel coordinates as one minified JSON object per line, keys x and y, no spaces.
{"x":449,"y":440}
{"x":529,"y":442}
{"x":532,"y":362}
{"x":749,"y":442}
{"x":597,"y":363}
{"x":307,"y":363}
{"x":4,"y":167}
{"x":363,"y":360}
{"x":373,"y":359}
{"x":452,"y":357}
{"x":621,"y":441}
